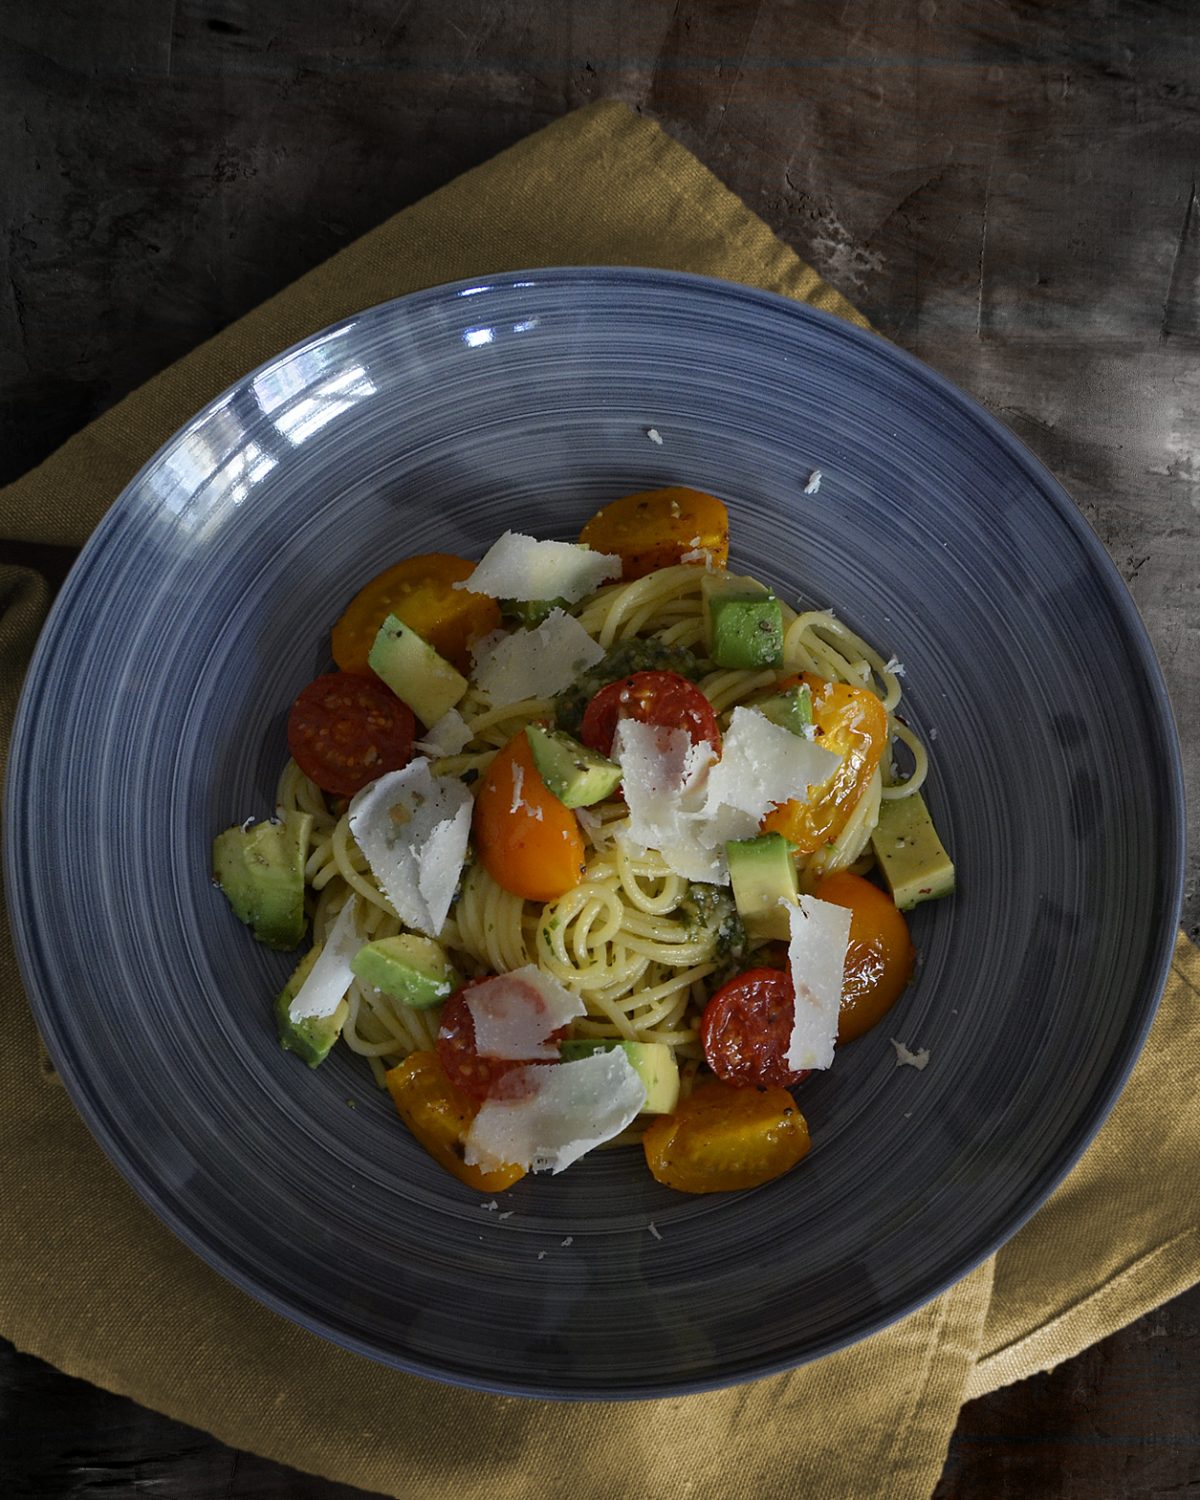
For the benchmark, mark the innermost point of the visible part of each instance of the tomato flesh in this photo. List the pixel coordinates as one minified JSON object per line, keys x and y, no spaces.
{"x":439,"y":1116}
{"x":659,"y":528}
{"x":851,"y":722}
{"x":746,"y":1028}
{"x":420,"y":591}
{"x":723,"y":1138}
{"x":344,"y":731}
{"x":472,"y":1072}
{"x":661,"y":698}
{"x":880,"y":955}
{"x":527,"y":841}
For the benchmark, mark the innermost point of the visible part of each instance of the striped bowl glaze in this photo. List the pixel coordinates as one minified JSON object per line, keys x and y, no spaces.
{"x":154,"y":716}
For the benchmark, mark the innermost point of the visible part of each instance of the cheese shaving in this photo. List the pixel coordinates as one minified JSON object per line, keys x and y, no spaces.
{"x":552,"y":1114}
{"x":905,"y":1058}
{"x":412,"y":828}
{"x":448,"y":736}
{"x":534,"y":663}
{"x":331,"y":975}
{"x":521,"y":567}
{"x":820,"y":932}
{"x":515,"y":1013}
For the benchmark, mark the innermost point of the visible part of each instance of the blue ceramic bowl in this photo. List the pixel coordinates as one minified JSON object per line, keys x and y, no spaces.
{"x":154,"y":716}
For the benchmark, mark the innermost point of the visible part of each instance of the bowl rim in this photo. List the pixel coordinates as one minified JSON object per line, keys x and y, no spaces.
{"x":1160,"y":941}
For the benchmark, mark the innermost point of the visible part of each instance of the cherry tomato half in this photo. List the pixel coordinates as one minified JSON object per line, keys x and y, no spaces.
{"x":344,"y":731}
{"x":470,"y":1071}
{"x":440,"y":1117}
{"x":746,"y":1028}
{"x":851,"y":722}
{"x":723,"y":1138}
{"x":880,"y":956}
{"x":420,"y":591}
{"x":662,"y":698}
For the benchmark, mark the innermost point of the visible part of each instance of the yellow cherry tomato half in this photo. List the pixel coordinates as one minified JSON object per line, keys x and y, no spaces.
{"x":526,"y":840}
{"x":851,"y":722}
{"x":880,"y":955}
{"x":723,"y":1138}
{"x":420,"y":591}
{"x":656,"y":528}
{"x":440,"y":1117}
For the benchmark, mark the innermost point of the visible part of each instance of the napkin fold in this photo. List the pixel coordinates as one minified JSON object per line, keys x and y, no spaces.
{"x":93,"y":1283}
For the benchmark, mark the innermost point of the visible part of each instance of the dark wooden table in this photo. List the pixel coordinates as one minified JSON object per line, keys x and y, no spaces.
{"x":1006,"y":187}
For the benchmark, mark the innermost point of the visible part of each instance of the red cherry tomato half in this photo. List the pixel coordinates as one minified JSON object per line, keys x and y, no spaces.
{"x":746,"y":1028}
{"x":344,"y":731}
{"x":469,"y":1070}
{"x":662,"y":698}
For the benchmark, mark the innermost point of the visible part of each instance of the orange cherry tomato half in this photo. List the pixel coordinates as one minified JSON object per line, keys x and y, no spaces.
{"x":851,"y":722}
{"x":656,"y":528}
{"x":723,"y":1138}
{"x":420,"y":591}
{"x":526,"y":840}
{"x":662,"y":698}
{"x":344,"y":731}
{"x":440,"y":1117}
{"x":880,"y":957}
{"x":746,"y":1028}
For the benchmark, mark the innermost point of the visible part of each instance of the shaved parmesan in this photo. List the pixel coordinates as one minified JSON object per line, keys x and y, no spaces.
{"x":534,"y":663}
{"x":551,"y":1114}
{"x":520,"y":567}
{"x":820,"y":932}
{"x":331,"y":976}
{"x":763,"y":764}
{"x":664,"y":776}
{"x":688,"y":807}
{"x":412,"y":828}
{"x":905,"y":1058}
{"x":448,"y":736}
{"x":515,"y":1013}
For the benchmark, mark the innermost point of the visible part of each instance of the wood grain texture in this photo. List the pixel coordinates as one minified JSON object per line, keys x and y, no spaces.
{"x":1006,"y":187}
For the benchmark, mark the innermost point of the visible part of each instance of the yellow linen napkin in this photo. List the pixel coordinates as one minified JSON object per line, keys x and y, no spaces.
{"x":90,"y":1280}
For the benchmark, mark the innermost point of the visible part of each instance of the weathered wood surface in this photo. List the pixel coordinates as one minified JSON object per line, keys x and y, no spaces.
{"x":1006,"y":187}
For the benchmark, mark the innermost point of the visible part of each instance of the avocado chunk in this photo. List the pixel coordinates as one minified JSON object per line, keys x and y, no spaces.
{"x":413,"y":969}
{"x":763,"y":874}
{"x":260,"y":868}
{"x":577,"y":776}
{"x":312,"y":1038}
{"x":743,"y":622}
{"x":531,"y":612}
{"x":790,"y":710}
{"x":654,"y":1062}
{"x":910,"y":854}
{"x":414,"y":671}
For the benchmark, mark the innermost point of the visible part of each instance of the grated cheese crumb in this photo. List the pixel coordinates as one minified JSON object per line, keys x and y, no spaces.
{"x":933,"y":734}
{"x":570,"y":1240}
{"x":653,"y":1228}
{"x":893,"y":666}
{"x":905,"y":1058}
{"x":518,"y":787}
{"x":541,"y":1255}
{"x":698,"y":555}
{"x":655,"y":436}
{"x":508,"y":1213}
{"x":490,"y":1207}
{"x":814,"y":482}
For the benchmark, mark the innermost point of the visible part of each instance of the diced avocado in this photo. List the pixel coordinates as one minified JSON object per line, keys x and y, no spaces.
{"x":260,"y":868}
{"x":312,"y":1038}
{"x":577,"y":776}
{"x":910,"y":854}
{"x":415,"y":672}
{"x":742,"y":620}
{"x":531,"y":612}
{"x":413,"y":969}
{"x":654,"y":1061}
{"x":763,"y":874}
{"x":790,"y":710}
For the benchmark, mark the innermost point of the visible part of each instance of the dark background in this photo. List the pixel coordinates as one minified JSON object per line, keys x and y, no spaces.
{"x":1007,"y":188}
